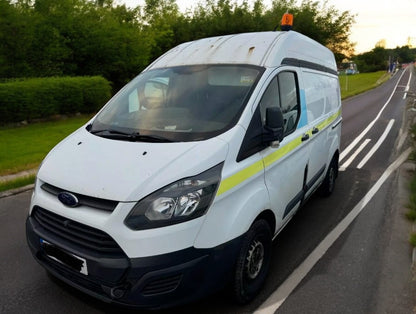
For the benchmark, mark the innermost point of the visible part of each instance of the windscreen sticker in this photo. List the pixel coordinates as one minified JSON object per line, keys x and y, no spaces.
{"x":247,"y":80}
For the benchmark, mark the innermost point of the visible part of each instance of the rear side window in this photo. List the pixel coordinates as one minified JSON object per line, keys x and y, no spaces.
{"x":283,"y":92}
{"x":322,"y":94}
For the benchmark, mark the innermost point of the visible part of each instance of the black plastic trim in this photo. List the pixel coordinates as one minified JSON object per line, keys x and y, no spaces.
{"x":301,"y":195}
{"x":253,"y":139}
{"x":148,"y":282}
{"x":78,"y":234}
{"x":99,"y":203}
{"x":315,"y":178}
{"x":298,"y":198}
{"x":307,"y":64}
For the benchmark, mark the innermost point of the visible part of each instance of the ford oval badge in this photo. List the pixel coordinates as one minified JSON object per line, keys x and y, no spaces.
{"x":68,"y":199}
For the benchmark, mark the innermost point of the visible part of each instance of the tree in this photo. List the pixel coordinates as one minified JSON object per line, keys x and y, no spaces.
{"x":374,"y":60}
{"x":16,"y":30}
{"x":381,"y":43}
{"x":100,"y":37}
{"x":319,"y":21}
{"x":159,"y":16}
{"x":405,"y":54}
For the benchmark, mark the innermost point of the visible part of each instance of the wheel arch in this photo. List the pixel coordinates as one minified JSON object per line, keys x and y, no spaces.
{"x":269,"y":217}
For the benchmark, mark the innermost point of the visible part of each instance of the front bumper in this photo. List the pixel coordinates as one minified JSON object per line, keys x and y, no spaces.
{"x":150,"y":282}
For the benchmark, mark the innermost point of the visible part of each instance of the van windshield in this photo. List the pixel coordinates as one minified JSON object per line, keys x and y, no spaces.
{"x":187,"y":103}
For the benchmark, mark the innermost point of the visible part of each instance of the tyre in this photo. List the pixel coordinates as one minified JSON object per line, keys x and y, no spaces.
{"x":328,"y":184}
{"x":253,"y":262}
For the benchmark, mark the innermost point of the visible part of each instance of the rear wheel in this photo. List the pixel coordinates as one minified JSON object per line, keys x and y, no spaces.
{"x":253,"y":262}
{"x":328,"y":185}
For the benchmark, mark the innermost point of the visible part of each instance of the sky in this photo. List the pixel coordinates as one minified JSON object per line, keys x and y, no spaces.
{"x":393,"y":20}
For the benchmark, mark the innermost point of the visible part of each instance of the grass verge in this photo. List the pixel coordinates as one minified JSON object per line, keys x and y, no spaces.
{"x":352,"y":85}
{"x":24,"y":147}
{"x":17,"y":183}
{"x":412,"y":239}
{"x":411,"y":213}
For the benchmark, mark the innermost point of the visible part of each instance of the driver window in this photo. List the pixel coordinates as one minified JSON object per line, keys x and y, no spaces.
{"x":270,"y":99}
{"x":289,"y":100}
{"x":282,"y":92}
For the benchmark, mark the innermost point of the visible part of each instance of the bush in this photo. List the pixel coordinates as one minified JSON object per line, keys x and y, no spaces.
{"x":43,"y":97}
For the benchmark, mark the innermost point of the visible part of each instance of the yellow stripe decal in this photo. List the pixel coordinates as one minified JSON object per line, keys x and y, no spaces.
{"x":280,"y":153}
{"x":239,"y":177}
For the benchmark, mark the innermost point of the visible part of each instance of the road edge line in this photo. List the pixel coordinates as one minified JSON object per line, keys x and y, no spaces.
{"x":278,"y":297}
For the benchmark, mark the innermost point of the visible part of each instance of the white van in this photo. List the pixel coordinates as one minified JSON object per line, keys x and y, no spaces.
{"x":178,"y":185}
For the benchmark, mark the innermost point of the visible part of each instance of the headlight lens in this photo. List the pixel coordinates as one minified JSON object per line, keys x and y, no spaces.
{"x":182,"y":200}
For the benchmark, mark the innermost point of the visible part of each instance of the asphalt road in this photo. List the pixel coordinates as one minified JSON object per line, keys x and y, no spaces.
{"x":366,"y":270}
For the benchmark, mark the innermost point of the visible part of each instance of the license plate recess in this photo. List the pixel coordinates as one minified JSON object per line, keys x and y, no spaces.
{"x":70,"y":260}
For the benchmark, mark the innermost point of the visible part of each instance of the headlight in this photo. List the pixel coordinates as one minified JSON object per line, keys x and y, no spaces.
{"x":182,"y":200}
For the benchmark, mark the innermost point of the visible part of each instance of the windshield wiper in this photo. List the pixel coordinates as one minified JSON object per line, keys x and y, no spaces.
{"x":133,"y":136}
{"x":150,"y":138}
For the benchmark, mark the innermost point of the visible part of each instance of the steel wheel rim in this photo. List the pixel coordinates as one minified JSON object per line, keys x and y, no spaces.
{"x":255,"y":258}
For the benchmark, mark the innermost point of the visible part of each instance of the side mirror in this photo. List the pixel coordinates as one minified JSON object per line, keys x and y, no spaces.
{"x":274,"y":128}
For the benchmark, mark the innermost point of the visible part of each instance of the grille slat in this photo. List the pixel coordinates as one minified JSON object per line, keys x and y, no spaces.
{"x":82,"y":233}
{"x":75,"y":232}
{"x":82,"y":241}
{"x":162,"y":285}
{"x":85,"y":200}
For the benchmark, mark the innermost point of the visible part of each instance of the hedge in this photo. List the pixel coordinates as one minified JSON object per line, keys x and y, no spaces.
{"x":40,"y":98}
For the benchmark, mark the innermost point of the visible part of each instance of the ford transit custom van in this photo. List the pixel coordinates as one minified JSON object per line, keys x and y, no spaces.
{"x":179,"y":184}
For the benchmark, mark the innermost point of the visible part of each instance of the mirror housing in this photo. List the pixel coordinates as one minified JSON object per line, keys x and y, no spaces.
{"x":274,"y":127}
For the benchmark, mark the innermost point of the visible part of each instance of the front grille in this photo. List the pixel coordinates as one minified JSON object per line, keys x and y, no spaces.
{"x":74,"y":277}
{"x":94,"y":202}
{"x":162,"y":285}
{"x":79,"y":234}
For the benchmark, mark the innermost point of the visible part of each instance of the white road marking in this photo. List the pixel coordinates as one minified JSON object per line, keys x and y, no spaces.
{"x":353,"y":156}
{"x":282,"y":293}
{"x":363,"y":133}
{"x":407,"y":86}
{"x":377,"y":145}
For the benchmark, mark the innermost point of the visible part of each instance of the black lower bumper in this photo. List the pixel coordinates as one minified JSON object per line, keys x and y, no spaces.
{"x":150,"y":282}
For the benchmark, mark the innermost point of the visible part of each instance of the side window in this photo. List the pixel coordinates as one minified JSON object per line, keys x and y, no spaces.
{"x":282,"y":92}
{"x":270,"y":99}
{"x":289,"y":100}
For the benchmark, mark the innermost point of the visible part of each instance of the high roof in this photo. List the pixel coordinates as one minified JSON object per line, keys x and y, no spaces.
{"x":259,"y":48}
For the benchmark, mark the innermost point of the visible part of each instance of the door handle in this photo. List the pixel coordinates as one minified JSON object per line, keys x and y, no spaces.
{"x":305,"y":137}
{"x":315,"y":130}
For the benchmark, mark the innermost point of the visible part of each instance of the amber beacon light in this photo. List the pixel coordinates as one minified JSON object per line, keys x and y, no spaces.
{"x":287,"y":22}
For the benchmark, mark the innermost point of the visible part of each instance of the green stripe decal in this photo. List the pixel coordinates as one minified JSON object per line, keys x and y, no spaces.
{"x":239,"y":177}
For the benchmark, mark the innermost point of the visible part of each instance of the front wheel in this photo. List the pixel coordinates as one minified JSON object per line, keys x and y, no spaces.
{"x":253,"y":262}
